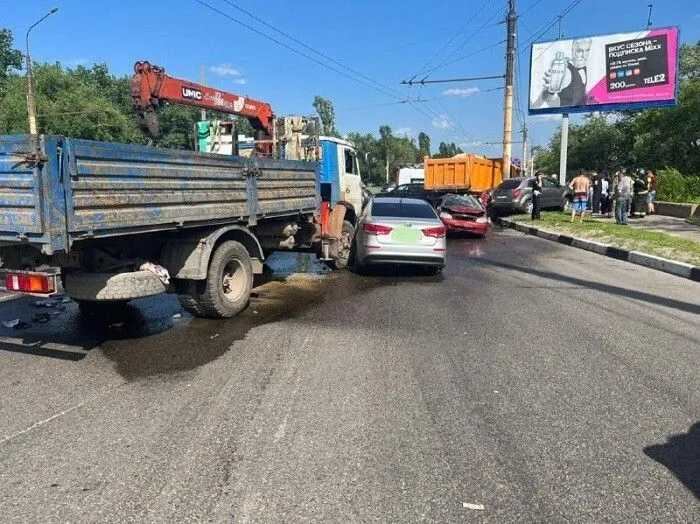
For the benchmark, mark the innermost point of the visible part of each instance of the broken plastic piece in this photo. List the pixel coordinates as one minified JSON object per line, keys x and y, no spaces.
{"x":45,"y":303}
{"x":10,"y":323}
{"x":157,"y":270}
{"x":41,"y":317}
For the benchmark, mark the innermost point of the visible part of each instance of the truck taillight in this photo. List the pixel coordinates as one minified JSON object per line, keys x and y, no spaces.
{"x":437,"y":232}
{"x":517,"y":193}
{"x":30,"y":282}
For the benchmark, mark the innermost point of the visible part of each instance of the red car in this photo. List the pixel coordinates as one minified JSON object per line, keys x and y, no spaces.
{"x":463,"y":213}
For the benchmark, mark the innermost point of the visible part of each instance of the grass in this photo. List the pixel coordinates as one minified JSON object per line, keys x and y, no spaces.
{"x":625,"y":237}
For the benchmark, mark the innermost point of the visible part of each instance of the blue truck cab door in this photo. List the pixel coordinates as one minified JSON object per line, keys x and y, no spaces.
{"x":340,"y":170}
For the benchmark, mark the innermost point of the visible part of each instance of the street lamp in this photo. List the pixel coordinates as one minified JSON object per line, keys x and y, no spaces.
{"x":31,"y":102}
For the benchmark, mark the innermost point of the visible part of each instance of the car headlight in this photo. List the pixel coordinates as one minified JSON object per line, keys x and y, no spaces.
{"x":482,"y":220}
{"x":444,"y":214}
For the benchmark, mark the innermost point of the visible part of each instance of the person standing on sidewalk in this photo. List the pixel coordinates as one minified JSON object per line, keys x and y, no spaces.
{"x":597,"y":193}
{"x":622,"y":198}
{"x":639,"y":199}
{"x":651,"y":196}
{"x":605,"y":194}
{"x":580,"y":186}
{"x":537,"y":196}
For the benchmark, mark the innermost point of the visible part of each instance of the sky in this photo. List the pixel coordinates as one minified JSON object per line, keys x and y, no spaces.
{"x":354,"y":53}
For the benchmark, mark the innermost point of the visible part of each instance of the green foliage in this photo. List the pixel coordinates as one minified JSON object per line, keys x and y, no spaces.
{"x":446,"y":150}
{"x":10,"y":58}
{"x":423,"y":146}
{"x":326,"y":111}
{"x":672,"y":186}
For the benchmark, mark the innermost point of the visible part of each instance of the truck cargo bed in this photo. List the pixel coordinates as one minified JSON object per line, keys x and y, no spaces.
{"x":87,"y":189}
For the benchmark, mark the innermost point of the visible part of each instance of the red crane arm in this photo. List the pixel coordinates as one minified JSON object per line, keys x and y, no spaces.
{"x":150,"y":86}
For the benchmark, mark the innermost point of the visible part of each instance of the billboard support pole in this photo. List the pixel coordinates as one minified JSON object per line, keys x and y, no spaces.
{"x":564,"y":147}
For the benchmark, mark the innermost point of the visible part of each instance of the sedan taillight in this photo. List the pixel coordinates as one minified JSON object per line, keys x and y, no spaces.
{"x":436,"y":232}
{"x":376,"y":229}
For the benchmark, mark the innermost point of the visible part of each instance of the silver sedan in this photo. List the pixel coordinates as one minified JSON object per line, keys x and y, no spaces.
{"x":400,"y":231}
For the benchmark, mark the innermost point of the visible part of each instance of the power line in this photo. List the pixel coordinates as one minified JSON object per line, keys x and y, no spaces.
{"x":487,"y":23}
{"x":454,"y":36}
{"x":384,"y":91}
{"x":465,"y":56}
{"x":388,"y":91}
{"x":306,"y":46}
{"x":442,"y":81}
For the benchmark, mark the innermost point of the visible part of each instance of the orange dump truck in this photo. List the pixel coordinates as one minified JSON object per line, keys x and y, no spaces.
{"x":466,"y":173}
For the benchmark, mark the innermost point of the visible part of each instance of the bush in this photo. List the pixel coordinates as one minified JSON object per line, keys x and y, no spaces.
{"x":672,"y":186}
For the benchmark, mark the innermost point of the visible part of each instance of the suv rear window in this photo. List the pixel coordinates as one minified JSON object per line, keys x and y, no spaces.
{"x":402,"y":210}
{"x":510,"y":184}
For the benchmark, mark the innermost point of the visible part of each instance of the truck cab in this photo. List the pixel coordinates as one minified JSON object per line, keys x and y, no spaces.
{"x":340,"y":171}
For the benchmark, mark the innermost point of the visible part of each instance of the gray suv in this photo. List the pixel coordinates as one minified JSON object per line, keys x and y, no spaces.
{"x":515,"y":196}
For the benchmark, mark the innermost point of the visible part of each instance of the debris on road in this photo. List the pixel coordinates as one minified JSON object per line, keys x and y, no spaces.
{"x":66,"y":300}
{"x":116,"y":325}
{"x":214,"y":336}
{"x":177,"y":315}
{"x":45,"y":303}
{"x":10,"y":323}
{"x":468,"y":505}
{"x":41,"y":317}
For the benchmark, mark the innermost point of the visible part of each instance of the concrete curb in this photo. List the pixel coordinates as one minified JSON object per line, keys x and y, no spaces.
{"x":680,"y":269}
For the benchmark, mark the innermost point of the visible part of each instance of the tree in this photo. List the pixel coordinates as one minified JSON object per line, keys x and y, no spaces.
{"x":446,"y":150}
{"x":423,"y":146}
{"x":10,"y":58}
{"x":325,"y":110}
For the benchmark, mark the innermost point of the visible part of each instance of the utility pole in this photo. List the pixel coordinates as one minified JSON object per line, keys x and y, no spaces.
{"x":524,"y":148}
{"x":202,"y":80}
{"x":508,"y":101}
{"x":31,"y":96}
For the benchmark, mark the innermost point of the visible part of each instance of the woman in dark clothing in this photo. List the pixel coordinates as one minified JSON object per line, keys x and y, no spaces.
{"x":537,"y":196}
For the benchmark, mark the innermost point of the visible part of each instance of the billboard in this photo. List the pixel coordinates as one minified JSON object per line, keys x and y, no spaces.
{"x":605,"y":73}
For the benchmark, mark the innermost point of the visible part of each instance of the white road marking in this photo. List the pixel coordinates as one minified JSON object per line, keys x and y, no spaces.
{"x":468,"y":505}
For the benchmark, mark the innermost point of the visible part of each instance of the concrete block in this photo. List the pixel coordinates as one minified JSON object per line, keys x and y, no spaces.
{"x":673,"y":209}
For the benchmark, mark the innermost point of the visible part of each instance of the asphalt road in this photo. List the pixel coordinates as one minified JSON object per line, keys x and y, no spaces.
{"x":544,"y":383}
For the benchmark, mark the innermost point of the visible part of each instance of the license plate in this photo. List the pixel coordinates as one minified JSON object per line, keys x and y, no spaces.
{"x":406,"y":235}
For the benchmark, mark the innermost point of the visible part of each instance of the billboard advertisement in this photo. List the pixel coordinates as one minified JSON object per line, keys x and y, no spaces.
{"x":605,"y":73}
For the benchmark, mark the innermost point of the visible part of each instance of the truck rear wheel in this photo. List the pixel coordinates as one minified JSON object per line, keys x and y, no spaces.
{"x":345,"y":245}
{"x":226,"y":290}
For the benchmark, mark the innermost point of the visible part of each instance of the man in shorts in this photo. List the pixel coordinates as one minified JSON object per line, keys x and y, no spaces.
{"x":580,"y":186}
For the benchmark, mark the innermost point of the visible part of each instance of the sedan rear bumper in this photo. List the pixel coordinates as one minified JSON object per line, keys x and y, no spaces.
{"x":379,"y":259}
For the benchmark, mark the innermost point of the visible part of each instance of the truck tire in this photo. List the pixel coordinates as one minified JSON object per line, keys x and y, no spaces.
{"x":345,"y":245}
{"x":115,"y":287}
{"x":226,"y":290}
{"x":189,"y":298}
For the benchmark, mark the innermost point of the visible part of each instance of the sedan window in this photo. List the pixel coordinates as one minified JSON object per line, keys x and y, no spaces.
{"x":402,"y":210}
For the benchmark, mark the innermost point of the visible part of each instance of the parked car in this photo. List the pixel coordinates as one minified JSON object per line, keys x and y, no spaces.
{"x":463,"y":213}
{"x":515,"y":196}
{"x":388,"y":188}
{"x":400,"y":231}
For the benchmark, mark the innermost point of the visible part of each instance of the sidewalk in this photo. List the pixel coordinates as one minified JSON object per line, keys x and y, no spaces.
{"x":676,"y":227}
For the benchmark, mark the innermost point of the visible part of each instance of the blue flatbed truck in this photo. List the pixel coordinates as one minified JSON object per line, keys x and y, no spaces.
{"x":111,"y":222}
